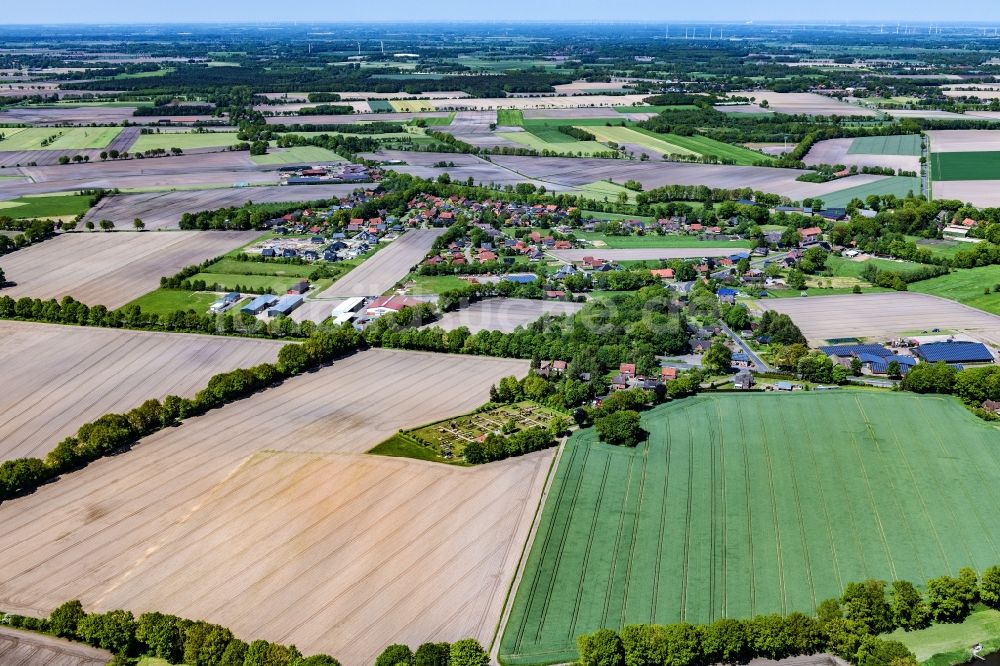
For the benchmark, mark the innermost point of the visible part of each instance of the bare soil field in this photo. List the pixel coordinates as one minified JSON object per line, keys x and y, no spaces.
{"x":503,"y":314}
{"x":354,"y":118}
{"x":578,"y":87}
{"x":473,"y":127}
{"x":24,"y":648}
{"x":67,"y":115}
{"x":806,"y":103}
{"x":983,"y":193}
{"x":604,"y":112}
{"x":925,"y":113}
{"x":59,"y":377}
{"x":646,"y":253}
{"x":575,"y":172}
{"x":265,"y":517}
{"x":834,"y":151}
{"x":566,"y":102}
{"x":421,"y":164}
{"x":111,"y":269}
{"x":964,"y":141}
{"x":163,"y":210}
{"x":883,"y":316}
{"x":386,"y":267}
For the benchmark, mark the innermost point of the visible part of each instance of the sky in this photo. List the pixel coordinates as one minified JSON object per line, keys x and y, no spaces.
{"x":180,"y":11}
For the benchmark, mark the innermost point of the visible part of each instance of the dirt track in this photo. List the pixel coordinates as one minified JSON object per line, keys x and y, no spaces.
{"x":386,"y":267}
{"x":59,"y":377}
{"x":264,"y":517}
{"x":111,"y":269}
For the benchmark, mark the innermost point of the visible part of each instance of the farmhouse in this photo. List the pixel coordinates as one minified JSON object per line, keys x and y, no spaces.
{"x":386,"y":304}
{"x":810,"y":234}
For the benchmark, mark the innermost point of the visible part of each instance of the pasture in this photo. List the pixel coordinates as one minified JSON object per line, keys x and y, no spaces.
{"x":60,"y":377}
{"x":966,"y":286}
{"x":45,"y":206}
{"x":57,"y":138}
{"x":184,"y":140}
{"x":883,"y":316}
{"x":950,"y":642}
{"x":243,"y":516}
{"x":385,"y":268}
{"x":977,"y":165}
{"x":728,"y":511}
{"x":297,"y":155}
{"x":111,"y":269}
{"x":503,"y":314}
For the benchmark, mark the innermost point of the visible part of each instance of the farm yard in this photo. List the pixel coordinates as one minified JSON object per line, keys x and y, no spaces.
{"x":742,"y":505}
{"x":385,"y":268}
{"x":446,"y":440}
{"x":31,"y":649}
{"x":163,"y":209}
{"x":110,"y":269}
{"x":60,"y":377}
{"x":883,"y":316}
{"x":503,"y":314}
{"x":239,"y":516}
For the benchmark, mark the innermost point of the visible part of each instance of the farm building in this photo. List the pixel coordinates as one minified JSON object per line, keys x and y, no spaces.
{"x":954,"y":351}
{"x":285,"y":305}
{"x":226,"y":302}
{"x":299,"y":288}
{"x":350,"y":305}
{"x":259,"y":304}
{"x":387,"y":304}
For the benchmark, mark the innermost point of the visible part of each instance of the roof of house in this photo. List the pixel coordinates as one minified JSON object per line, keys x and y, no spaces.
{"x":856,"y":350}
{"x":955,"y":351}
{"x":725,"y":291}
{"x":811,"y":231}
{"x":393,"y":303}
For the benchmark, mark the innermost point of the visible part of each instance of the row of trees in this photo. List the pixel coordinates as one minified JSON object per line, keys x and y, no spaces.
{"x":971,"y":385}
{"x":849,"y":627}
{"x":114,"y":432}
{"x":466,"y":652}
{"x":33,"y":231}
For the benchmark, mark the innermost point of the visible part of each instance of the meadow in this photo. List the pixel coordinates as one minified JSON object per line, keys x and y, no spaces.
{"x":740,"y":505}
{"x":966,"y":286}
{"x":45,"y":206}
{"x":298,"y":155}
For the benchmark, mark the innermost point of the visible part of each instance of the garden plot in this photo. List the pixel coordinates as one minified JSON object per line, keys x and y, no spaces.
{"x":503,"y":314}
{"x":111,"y":269}
{"x":262,"y":516}
{"x":883,"y":316}
{"x":386,"y":267}
{"x":810,"y":104}
{"x":60,"y":377}
{"x":163,"y":210}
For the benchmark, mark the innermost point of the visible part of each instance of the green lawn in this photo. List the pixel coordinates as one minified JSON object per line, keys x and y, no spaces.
{"x":153,"y":661}
{"x":46,"y":205}
{"x":655,"y":240}
{"x":965,"y":286}
{"x":595,"y":215}
{"x":234,"y":267}
{"x":740,"y":505}
{"x":946,"y":644}
{"x":298,"y":154}
{"x":897,"y":185}
{"x":252,"y":283}
{"x":843,"y":267}
{"x":400,"y":446}
{"x":63,"y":138}
{"x":165,"y":301}
{"x":184,"y":140}
{"x":905,"y":144}
{"x":965,"y":166}
{"x":423,"y":285}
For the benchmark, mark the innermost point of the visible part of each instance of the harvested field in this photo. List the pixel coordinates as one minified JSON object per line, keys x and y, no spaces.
{"x":647,"y":253}
{"x":185,"y":140}
{"x":421,"y":164}
{"x":984,"y":193}
{"x":569,"y":172}
{"x":263,"y":516}
{"x":964,"y":141}
{"x":925,"y":113}
{"x":741,"y":505}
{"x":805,"y":103}
{"x":354,"y":118}
{"x":473,"y":127}
{"x":568,"y":102}
{"x":569,"y":114}
{"x":60,"y":377}
{"x":163,"y":210}
{"x":111,"y":269}
{"x":65,"y":115}
{"x":386,"y":267}
{"x":503,"y":314}
{"x":25,"y":648}
{"x":883,"y":316}
{"x":841,"y":151}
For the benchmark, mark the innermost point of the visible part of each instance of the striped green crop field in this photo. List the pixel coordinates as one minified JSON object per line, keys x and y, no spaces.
{"x":740,"y":505}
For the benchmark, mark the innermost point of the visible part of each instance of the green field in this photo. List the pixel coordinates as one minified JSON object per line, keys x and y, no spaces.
{"x":184,"y":140}
{"x":425,"y":285}
{"x":438,"y":121}
{"x":602,"y":190}
{"x":965,"y":166}
{"x":622,"y":135}
{"x":379,"y":105}
{"x":252,"y":283}
{"x":905,"y":144}
{"x":298,"y":154}
{"x":823,"y":291}
{"x":510,"y":117}
{"x":740,"y":505}
{"x":166,"y":301}
{"x":965,"y":286}
{"x":897,"y":185}
{"x":63,"y":138}
{"x":45,"y":205}
{"x":843,"y":267}
{"x":945,"y":644}
{"x":553,"y":140}
{"x":655,"y":240}
{"x":702,"y":145}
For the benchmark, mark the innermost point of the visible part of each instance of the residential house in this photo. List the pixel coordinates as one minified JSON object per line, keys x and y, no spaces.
{"x":809,"y":235}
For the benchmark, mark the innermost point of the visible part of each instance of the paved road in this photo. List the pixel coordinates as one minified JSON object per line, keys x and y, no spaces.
{"x":757,"y":360}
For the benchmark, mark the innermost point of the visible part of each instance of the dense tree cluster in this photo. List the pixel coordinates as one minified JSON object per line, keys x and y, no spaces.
{"x":779,"y":328}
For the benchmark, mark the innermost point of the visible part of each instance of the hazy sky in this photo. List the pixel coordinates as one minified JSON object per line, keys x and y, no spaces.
{"x":177,"y":11}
